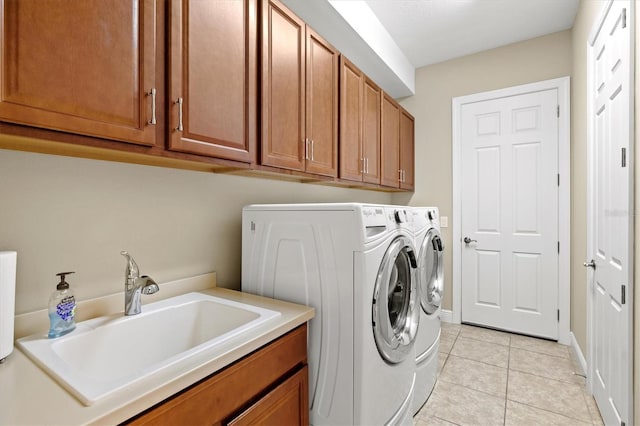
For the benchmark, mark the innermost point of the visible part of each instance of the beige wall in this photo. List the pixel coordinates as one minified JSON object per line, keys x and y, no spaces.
{"x":70,"y":214}
{"x":534,"y":60}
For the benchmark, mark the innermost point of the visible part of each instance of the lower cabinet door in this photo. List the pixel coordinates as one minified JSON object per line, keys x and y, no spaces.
{"x":287,"y":404}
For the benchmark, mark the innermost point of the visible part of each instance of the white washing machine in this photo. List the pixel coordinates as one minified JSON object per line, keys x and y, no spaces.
{"x":430,"y":249}
{"x":356,"y":265}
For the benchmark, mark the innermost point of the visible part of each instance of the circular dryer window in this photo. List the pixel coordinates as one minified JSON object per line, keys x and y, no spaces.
{"x":430,"y":271}
{"x":395,"y":311}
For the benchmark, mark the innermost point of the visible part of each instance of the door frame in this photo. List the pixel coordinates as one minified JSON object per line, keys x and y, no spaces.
{"x":564,"y":201}
{"x":630,"y":292}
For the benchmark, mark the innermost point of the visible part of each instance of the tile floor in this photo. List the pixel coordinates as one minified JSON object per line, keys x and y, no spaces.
{"x":488,"y":377}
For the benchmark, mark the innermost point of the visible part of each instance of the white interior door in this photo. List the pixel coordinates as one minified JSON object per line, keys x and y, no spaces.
{"x":610,"y":215}
{"x":509,"y":213}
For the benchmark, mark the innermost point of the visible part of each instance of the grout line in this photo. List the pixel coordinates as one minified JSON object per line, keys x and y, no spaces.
{"x":550,"y":412}
{"x":506,"y":391}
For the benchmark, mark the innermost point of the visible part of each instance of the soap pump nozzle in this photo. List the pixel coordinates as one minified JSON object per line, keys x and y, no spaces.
{"x":63,"y":285}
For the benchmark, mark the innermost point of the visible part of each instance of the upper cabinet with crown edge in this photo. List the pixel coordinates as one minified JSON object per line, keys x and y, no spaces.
{"x":81,"y":66}
{"x":299,"y":95}
{"x":213,"y":78}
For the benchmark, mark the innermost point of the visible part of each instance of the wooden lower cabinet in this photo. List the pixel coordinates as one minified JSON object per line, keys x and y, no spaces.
{"x":268,"y":386}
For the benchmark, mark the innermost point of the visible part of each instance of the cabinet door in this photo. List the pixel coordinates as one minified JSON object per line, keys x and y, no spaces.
{"x":407,"y":150}
{"x":287,"y":404}
{"x":283,"y":87}
{"x":212,"y":71}
{"x":322,"y":106}
{"x":351,"y":116}
{"x":371,"y":131}
{"x":80,"y":66}
{"x":390,"y":142}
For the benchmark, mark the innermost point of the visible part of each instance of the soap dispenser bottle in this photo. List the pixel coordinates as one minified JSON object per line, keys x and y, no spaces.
{"x":62,"y":308}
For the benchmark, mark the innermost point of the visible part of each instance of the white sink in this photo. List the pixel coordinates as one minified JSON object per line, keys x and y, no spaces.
{"x":105,"y":354}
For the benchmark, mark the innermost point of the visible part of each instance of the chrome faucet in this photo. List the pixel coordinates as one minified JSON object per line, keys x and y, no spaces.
{"x":135,"y":285}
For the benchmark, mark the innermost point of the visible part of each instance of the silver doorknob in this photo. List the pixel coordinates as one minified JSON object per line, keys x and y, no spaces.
{"x":468,"y":240}
{"x":591,"y":264}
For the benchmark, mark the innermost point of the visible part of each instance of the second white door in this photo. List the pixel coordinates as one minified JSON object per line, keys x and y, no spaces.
{"x":509,"y":213}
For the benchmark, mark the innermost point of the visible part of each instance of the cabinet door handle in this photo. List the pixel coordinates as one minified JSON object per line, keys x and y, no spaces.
{"x":363,"y":169}
{"x":152,"y":93}
{"x":179,"y":102}
{"x":400,"y":175}
{"x":312,"y":150}
{"x":306,"y":148}
{"x":366,"y":165}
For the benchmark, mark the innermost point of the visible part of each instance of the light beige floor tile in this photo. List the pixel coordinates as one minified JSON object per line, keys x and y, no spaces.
{"x":485,"y":334}
{"x":552,"y":395}
{"x":464,"y":406}
{"x":596,"y":418}
{"x":442,"y":358}
{"x":427,"y":420}
{"x":525,"y":415}
{"x":475,"y":375}
{"x":450,"y":328}
{"x":446,"y":342}
{"x":489,"y":353}
{"x":539,"y":345}
{"x":543,"y":365}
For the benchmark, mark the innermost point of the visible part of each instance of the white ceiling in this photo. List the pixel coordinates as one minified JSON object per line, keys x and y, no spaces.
{"x":389,"y":39}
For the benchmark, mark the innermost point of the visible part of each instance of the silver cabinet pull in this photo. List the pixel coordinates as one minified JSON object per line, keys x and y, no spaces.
{"x":399,"y":175}
{"x":364,"y":167}
{"x":179,"y":102}
{"x":312,"y":150}
{"x":591,"y":264}
{"x":306,"y":148}
{"x":468,"y":240}
{"x":152,"y":93}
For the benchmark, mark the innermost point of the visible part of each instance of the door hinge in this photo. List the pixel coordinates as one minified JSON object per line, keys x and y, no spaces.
{"x":624,"y":17}
{"x":558,"y":111}
{"x":623,"y":291}
{"x":624,"y":157}
{"x":558,"y":315}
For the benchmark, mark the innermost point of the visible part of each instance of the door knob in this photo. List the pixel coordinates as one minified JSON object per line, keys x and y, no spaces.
{"x":468,"y":240}
{"x":591,"y":264}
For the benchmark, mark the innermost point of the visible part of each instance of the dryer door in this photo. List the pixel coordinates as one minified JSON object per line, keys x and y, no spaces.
{"x":431,"y":271}
{"x":395,"y":311}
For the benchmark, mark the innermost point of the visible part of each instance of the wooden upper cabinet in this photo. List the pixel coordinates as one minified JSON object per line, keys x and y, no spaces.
{"x":359,"y":125}
{"x":390,"y":145}
{"x":213,"y":78}
{"x":371,"y":131}
{"x":322,"y":106}
{"x":351,"y":116}
{"x":283,"y":87}
{"x":299,"y":95}
{"x":407,"y":144}
{"x":80,"y":66}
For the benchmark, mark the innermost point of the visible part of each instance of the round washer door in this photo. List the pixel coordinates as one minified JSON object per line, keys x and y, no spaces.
{"x":431,"y":271}
{"x":395,"y":311}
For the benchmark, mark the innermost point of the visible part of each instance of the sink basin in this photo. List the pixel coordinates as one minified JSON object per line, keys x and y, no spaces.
{"x":106,"y":354}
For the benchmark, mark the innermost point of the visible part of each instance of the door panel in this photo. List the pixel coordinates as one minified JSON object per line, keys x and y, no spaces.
{"x":510,"y":213}
{"x":213,"y":69}
{"x":371,"y":131}
{"x":87,"y":68}
{"x":610,"y":224}
{"x":390,"y":142}
{"x":283,"y":87}
{"x":351,"y":116}
{"x":322,"y":106}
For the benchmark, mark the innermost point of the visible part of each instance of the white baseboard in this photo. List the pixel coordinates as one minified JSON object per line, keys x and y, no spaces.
{"x":446,"y":315}
{"x":579,"y":356}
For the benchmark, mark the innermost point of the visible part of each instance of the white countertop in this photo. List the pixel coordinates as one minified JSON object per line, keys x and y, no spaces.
{"x":28,"y":396}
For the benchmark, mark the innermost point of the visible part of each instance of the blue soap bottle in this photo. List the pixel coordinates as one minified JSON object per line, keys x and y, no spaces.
{"x":62,"y":308}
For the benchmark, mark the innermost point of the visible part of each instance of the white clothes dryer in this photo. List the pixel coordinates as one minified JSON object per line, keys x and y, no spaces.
{"x":356,"y":265}
{"x":430,"y":248}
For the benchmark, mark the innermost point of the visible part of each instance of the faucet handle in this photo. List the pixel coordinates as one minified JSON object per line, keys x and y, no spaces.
{"x":132,"y":270}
